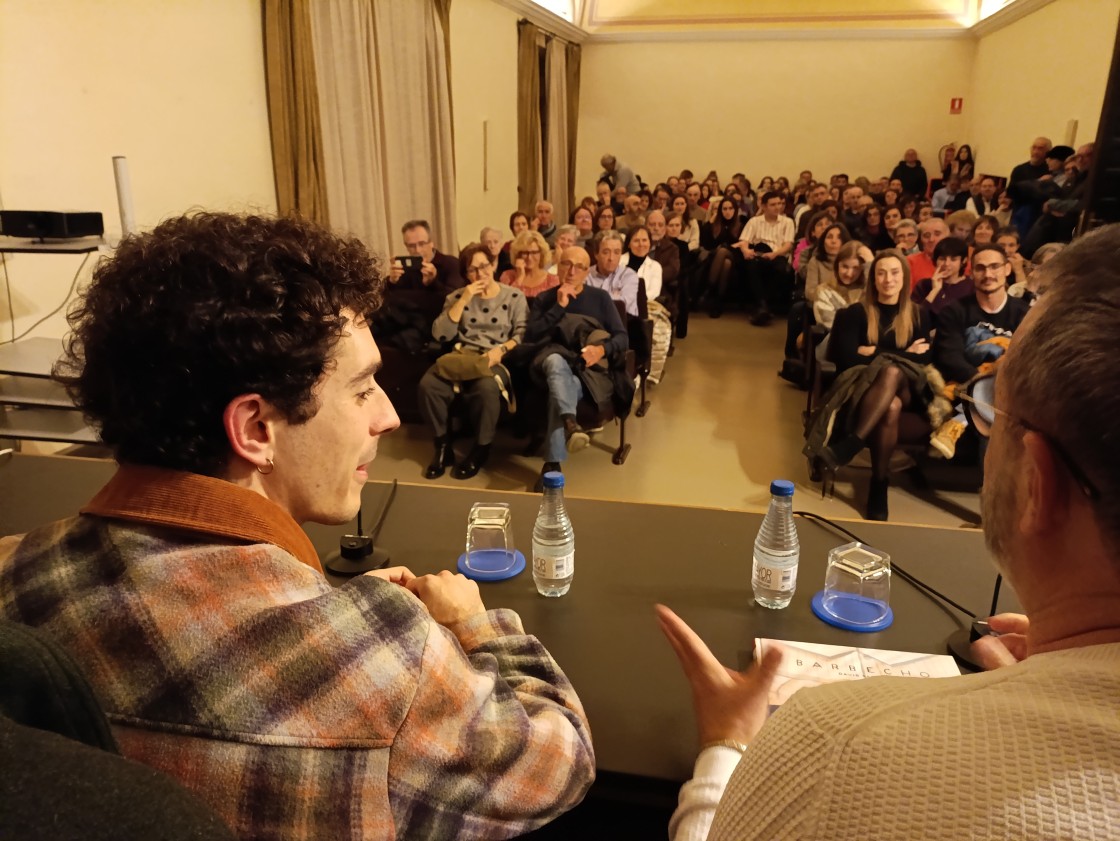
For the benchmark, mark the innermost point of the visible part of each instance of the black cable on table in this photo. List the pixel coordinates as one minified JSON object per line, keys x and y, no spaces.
{"x":916,"y":582}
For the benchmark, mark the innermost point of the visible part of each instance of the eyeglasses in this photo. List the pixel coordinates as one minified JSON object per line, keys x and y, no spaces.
{"x":534,"y":253}
{"x":478,"y":271}
{"x":569,"y":266}
{"x":983,"y":414}
{"x":980,"y":268}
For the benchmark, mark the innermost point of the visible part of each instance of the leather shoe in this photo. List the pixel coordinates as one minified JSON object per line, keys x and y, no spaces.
{"x":575,"y":438}
{"x":444,"y":458}
{"x":473,"y":463}
{"x":877,"y":500}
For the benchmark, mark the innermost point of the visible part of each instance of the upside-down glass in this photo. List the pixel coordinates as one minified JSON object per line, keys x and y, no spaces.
{"x":857,"y":584}
{"x":490,"y":546}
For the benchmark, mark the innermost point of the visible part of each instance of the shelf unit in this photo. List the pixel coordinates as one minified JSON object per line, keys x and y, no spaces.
{"x":32,"y":406}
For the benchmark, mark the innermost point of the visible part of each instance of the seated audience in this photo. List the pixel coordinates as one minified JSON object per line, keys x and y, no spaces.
{"x":492,"y":239}
{"x":1030,"y":289}
{"x":603,"y":192}
{"x":872,"y":230}
{"x":909,"y":207}
{"x":584,"y":220}
{"x":930,"y":232}
{"x":486,"y":320}
{"x":690,"y":228}
{"x":1035,"y":167}
{"x":227,"y":362}
{"x":692,"y":196}
{"x":718,"y":238}
{"x":662,"y":195}
{"x":844,"y":286}
{"x":985,"y":201}
{"x":891,"y":217}
{"x":664,"y":250}
{"x":604,"y":219}
{"x":518,"y":224}
{"x":414,"y":296}
{"x":948,"y":283}
{"x":569,"y":371}
{"x":924,"y":212}
{"x":821,"y":264}
{"x":906,"y":236}
{"x":543,"y":223}
{"x":983,"y":231}
{"x":1004,"y":209}
{"x":950,"y":197}
{"x":632,"y":218}
{"x":1007,"y":238}
{"x":640,"y":259}
{"x":610,"y":274}
{"x":766,"y":244}
{"x":813,"y":230}
{"x":644,"y":198}
{"x":566,"y":237}
{"x":816,"y":196}
{"x":850,"y":215}
{"x":530,"y":255}
{"x":1060,"y":214}
{"x":974,"y":332}
{"x":960,"y":224}
{"x":886,"y":323}
{"x":1044,"y":722}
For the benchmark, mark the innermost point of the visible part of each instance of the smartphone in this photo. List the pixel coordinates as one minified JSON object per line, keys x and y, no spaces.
{"x":410,"y":262}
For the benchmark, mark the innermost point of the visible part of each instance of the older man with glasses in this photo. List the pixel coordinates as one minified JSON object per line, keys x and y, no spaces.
{"x":1027,"y":750}
{"x":573,"y":297}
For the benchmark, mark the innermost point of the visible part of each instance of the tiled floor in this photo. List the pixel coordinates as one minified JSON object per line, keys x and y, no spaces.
{"x":721,"y":426}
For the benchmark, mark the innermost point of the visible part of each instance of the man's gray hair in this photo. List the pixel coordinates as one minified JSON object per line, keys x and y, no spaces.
{"x":482,"y":234}
{"x":1064,"y":378}
{"x":604,"y":236}
{"x":567,"y":230}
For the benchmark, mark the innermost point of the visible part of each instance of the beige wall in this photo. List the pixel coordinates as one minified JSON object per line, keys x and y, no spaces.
{"x":768,"y":108}
{"x":484,"y":88}
{"x":1032,"y":77}
{"x":177,"y":86}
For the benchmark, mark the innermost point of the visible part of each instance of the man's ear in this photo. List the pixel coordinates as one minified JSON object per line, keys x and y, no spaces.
{"x":248,"y":423}
{"x":1044,"y":495}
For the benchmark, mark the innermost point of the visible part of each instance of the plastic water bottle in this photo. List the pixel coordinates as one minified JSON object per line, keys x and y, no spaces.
{"x":776,"y":550}
{"x":554,"y":542}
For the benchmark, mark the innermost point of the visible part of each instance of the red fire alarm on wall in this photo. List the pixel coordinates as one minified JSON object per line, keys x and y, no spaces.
{"x":955,"y":104}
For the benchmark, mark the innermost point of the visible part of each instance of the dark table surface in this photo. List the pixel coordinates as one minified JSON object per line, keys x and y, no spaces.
{"x":629,"y":556}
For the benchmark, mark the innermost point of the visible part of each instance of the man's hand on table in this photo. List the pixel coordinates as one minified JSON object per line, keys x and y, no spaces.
{"x":729,"y":704}
{"x":1009,"y":647}
{"x":450,"y":597}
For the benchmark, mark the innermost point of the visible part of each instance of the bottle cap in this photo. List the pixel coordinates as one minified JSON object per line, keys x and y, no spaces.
{"x":555,"y":479}
{"x":781,"y":487}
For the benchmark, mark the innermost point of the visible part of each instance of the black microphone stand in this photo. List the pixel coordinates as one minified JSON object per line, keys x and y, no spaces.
{"x":960,"y":642}
{"x":356,"y":552}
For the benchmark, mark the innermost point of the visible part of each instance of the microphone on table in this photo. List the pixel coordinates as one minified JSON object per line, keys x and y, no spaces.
{"x":960,"y":642}
{"x":357,"y":552}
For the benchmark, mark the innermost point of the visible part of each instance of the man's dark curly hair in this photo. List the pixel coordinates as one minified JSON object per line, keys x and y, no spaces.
{"x":199,"y":310}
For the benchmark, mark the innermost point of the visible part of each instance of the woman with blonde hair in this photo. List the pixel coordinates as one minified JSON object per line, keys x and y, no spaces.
{"x":844,"y":286}
{"x":885,"y":322}
{"x":530,"y":255}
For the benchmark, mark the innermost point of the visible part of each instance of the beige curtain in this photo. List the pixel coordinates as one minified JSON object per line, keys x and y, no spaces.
{"x":530,"y":178}
{"x":386,"y":110}
{"x":572,"y":69}
{"x":293,"y":110}
{"x":556,"y":187}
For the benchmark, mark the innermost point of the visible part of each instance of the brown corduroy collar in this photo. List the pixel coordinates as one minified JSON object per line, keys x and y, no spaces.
{"x":201,"y":504}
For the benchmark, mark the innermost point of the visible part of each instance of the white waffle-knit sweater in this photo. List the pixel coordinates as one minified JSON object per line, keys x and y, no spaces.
{"x":1031,"y":751}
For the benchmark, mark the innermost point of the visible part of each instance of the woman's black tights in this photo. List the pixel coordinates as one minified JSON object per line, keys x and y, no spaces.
{"x":881,"y":422}
{"x":719,"y":275}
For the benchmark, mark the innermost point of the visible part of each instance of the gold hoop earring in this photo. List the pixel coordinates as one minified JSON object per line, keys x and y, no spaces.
{"x":271,"y":467}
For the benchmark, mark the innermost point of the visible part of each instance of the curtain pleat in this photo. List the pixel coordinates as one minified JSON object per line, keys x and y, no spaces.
{"x":386,"y":103}
{"x":530,"y":181}
{"x":556,"y":188}
{"x":293,"y":110}
{"x":574,"y":56}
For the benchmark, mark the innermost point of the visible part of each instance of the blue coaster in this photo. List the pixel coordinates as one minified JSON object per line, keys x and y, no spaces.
{"x":489,"y":563}
{"x":855,"y":610}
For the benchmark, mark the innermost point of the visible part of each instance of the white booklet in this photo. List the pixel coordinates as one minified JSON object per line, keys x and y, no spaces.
{"x":813,"y":664}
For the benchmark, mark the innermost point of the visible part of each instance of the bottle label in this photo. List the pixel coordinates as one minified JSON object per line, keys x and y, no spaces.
{"x":560,"y":567}
{"x":775,"y":578}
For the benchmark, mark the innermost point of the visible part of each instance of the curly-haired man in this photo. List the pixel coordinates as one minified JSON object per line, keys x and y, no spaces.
{"x":227,"y":361}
